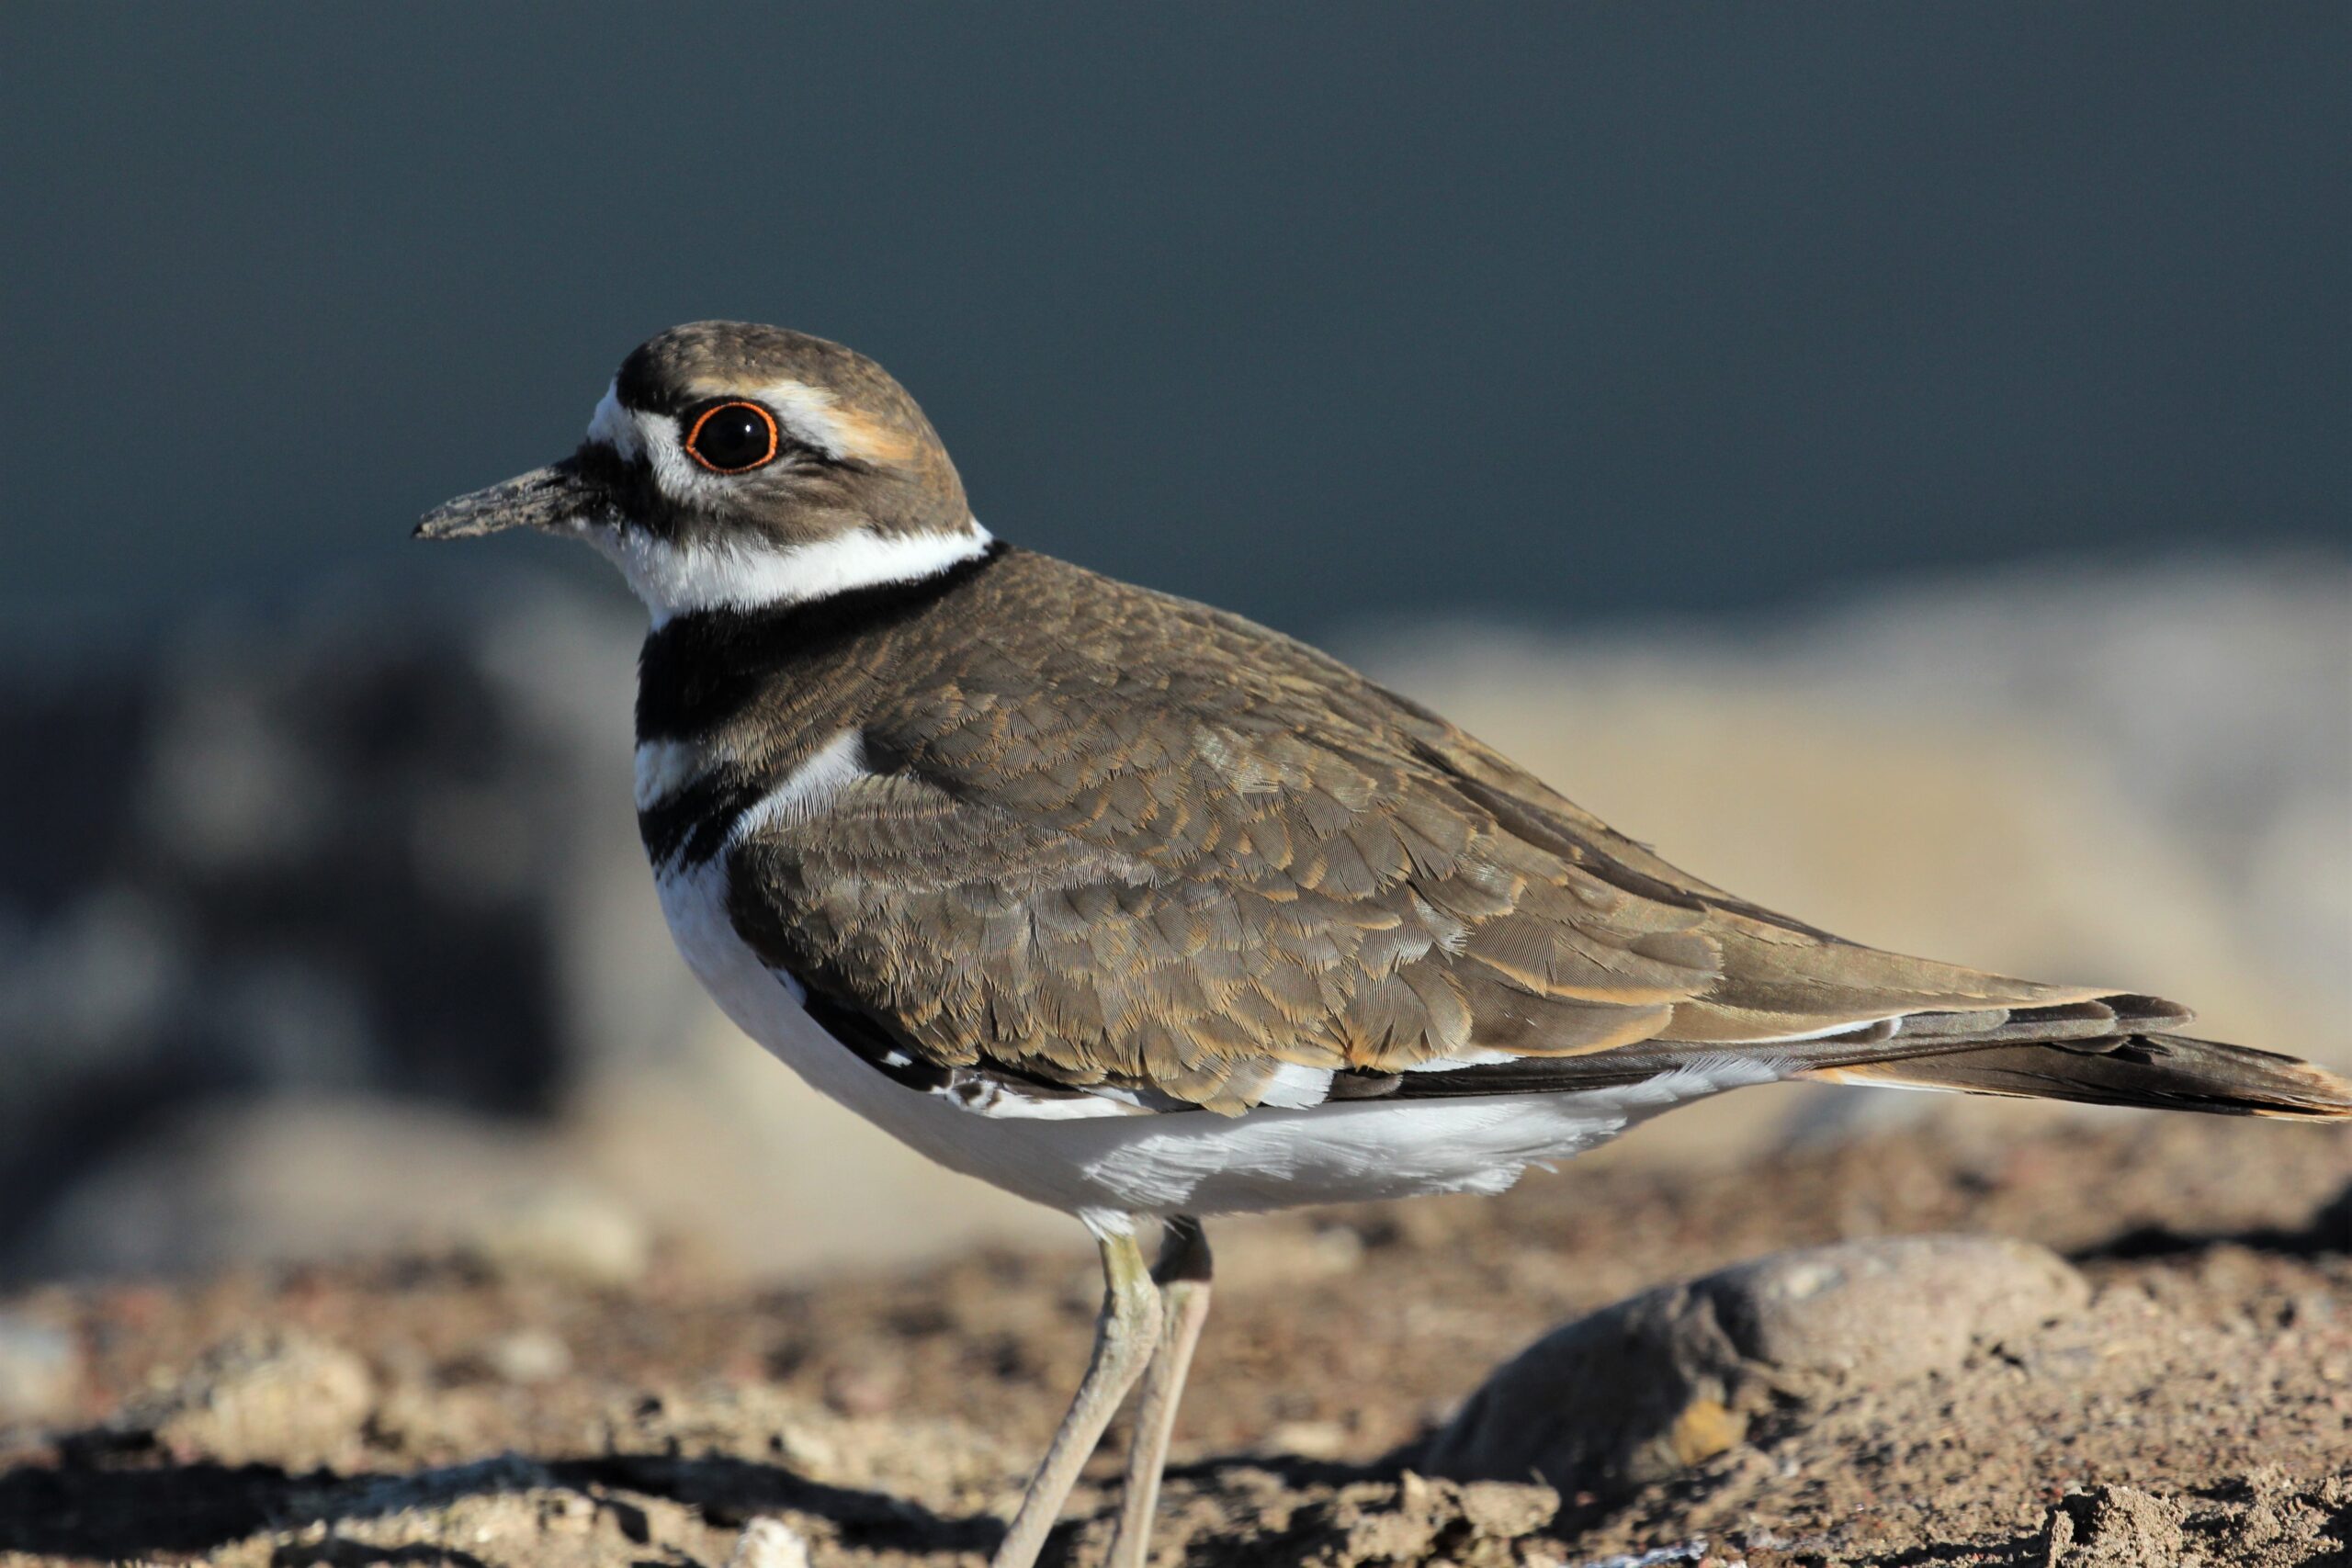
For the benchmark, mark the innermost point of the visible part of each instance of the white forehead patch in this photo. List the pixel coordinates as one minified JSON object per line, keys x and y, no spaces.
{"x":615,"y":426}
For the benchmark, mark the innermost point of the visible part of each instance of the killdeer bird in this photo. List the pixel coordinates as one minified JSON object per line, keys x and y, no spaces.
{"x":1146,"y":912}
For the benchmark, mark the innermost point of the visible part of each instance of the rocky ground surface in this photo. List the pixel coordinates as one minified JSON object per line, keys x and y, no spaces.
{"x":2178,"y":1391}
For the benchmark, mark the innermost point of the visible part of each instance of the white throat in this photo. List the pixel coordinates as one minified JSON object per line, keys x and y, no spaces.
{"x":676,"y":579}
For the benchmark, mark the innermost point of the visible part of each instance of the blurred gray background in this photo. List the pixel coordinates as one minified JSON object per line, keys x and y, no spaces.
{"x":1567,"y":311}
{"x":1895,"y":457}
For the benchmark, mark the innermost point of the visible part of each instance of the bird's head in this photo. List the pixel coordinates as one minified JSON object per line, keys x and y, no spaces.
{"x":733,"y":465}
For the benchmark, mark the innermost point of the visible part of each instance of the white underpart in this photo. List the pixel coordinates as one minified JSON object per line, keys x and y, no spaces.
{"x":673,"y":580}
{"x":1100,"y":1167}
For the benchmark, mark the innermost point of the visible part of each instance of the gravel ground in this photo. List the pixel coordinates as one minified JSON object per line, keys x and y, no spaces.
{"x":481,"y":1408}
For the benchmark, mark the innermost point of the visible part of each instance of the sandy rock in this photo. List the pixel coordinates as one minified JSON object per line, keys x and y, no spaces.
{"x":1418,"y":1519}
{"x":770,"y":1543}
{"x":509,"y":1512}
{"x":1674,"y":1376}
{"x":40,"y":1370}
{"x":560,"y":1232}
{"x":1306,"y":1439}
{"x":282,"y":1399}
{"x":1403,"y":1523}
{"x":758,"y":1423}
{"x":523,"y":1356}
{"x":2112,"y":1527}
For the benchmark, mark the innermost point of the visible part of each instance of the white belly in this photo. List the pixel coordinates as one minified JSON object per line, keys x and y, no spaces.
{"x":1102,"y":1166}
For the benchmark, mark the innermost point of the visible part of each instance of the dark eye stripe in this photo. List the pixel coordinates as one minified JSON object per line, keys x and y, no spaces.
{"x":733,"y":437}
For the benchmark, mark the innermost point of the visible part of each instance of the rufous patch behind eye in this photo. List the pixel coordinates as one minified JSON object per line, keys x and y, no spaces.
{"x":733,"y":437}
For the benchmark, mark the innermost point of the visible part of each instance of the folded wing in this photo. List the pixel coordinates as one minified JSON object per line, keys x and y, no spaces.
{"x":1266,"y":881}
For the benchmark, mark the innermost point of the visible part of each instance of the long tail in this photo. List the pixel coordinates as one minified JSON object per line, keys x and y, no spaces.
{"x":2170,"y":1072}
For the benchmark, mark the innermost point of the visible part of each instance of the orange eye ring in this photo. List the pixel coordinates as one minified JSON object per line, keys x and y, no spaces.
{"x":735,"y":446}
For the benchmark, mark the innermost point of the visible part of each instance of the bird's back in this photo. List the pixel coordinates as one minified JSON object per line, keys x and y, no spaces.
{"x":1026,"y":826}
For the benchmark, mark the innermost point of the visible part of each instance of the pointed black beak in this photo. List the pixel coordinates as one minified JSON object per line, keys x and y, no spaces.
{"x":554,"y":497}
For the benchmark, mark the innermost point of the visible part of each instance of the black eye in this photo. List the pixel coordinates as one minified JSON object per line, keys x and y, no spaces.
{"x":731,"y":437}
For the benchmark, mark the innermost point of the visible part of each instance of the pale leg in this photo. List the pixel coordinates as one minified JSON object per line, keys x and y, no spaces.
{"x":1183,"y":1275}
{"x":1126,"y":1335}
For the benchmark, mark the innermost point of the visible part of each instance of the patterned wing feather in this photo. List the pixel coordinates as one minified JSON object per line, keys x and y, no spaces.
{"x":1125,"y":843}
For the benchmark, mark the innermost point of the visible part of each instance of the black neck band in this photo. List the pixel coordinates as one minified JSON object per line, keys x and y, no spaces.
{"x":698,"y":670}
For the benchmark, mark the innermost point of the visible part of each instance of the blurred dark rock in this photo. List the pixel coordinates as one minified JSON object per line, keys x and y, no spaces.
{"x":1671,"y":1377}
{"x":292,"y":1176}
{"x":373,"y":847}
{"x":2332,"y":1226}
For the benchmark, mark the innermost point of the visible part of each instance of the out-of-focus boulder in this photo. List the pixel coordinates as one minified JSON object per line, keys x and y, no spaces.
{"x":298,"y":1177}
{"x":379,"y":847}
{"x":566,"y":1233}
{"x":41,"y":1371}
{"x":283,"y":1400}
{"x":1666,"y":1379}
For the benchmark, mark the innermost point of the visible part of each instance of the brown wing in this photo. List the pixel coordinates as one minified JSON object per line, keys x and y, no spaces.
{"x":1776,"y":977}
{"x":1137,"y":843}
